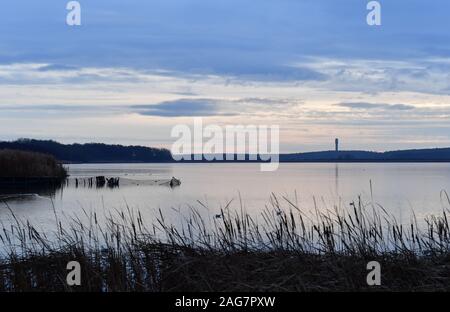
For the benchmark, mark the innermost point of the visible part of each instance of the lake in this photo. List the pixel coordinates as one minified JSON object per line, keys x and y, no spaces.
{"x":399,"y":188}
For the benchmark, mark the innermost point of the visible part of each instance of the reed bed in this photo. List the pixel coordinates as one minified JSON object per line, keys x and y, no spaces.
{"x":282,"y":249}
{"x":24,"y":164}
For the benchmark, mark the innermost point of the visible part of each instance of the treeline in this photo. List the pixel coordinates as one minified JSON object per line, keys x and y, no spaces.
{"x":21,"y":164}
{"x":418,"y":155}
{"x":97,"y":153}
{"x":91,"y":152}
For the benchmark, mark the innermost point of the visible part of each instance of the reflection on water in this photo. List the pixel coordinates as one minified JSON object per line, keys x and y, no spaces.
{"x":25,"y":191}
{"x":399,"y":188}
{"x":336,"y":177}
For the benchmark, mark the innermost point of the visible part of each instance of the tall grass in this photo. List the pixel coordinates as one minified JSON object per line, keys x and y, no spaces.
{"x":21,"y":164}
{"x":283,"y":249}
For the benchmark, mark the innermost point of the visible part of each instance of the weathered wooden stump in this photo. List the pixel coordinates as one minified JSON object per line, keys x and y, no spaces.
{"x":100,"y":181}
{"x":113,"y":182}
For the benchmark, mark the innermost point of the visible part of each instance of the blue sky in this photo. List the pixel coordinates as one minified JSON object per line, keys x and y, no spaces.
{"x":134,"y":69}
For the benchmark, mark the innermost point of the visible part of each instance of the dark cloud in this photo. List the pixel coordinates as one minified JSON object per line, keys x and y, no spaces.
{"x":383,"y":106}
{"x":211,"y":107}
{"x":182,"y":108}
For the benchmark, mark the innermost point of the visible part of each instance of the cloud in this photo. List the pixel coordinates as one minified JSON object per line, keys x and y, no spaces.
{"x":375,"y":75}
{"x":241,"y":39}
{"x":181,"y":108}
{"x":265,"y":73}
{"x":61,"y":111}
{"x":224,"y":58}
{"x":52,"y":107}
{"x":266,"y":101}
{"x":214,"y":107}
{"x":383,"y":106}
{"x":44,"y":74}
{"x":56,"y":67}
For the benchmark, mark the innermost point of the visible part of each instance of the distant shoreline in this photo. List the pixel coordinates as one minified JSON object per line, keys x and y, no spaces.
{"x":259,"y":162}
{"x":95,"y":153}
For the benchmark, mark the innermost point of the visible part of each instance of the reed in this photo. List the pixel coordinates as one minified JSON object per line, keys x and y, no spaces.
{"x":282,"y":249}
{"x":22,"y":164}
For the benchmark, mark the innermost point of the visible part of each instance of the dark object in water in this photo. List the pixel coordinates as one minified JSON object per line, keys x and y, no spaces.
{"x":26,"y":181}
{"x":45,"y":186}
{"x":113,"y":182}
{"x":100,"y":181}
{"x":174,"y":182}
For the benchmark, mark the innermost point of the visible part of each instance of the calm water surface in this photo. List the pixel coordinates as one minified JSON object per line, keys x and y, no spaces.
{"x":399,"y":188}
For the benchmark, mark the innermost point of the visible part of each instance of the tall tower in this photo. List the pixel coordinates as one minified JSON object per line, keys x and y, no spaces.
{"x":336,"y":143}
